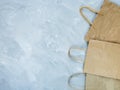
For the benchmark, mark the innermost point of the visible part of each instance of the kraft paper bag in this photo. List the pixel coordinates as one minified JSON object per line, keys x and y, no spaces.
{"x":94,"y":82}
{"x":106,"y":26}
{"x":103,"y":59}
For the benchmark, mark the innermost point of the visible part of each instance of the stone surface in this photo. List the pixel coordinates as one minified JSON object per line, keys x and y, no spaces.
{"x":35,"y":36}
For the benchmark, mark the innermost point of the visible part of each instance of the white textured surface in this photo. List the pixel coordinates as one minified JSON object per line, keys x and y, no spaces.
{"x":34,"y":39}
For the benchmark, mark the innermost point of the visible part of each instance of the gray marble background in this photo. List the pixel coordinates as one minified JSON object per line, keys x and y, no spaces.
{"x":35,"y":36}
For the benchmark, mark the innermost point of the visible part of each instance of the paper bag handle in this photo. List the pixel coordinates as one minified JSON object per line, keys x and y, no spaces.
{"x":70,"y":78}
{"x":90,"y":9}
{"x":75,"y":58}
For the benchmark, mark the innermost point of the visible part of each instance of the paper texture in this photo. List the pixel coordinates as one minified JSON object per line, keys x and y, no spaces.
{"x":103,"y":58}
{"x":94,"y":82}
{"x":106,"y":26}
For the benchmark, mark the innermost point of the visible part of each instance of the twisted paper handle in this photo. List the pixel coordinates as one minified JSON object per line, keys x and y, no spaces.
{"x":70,"y":78}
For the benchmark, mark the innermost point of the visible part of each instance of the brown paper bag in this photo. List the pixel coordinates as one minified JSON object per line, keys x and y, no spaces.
{"x":106,"y":26}
{"x":103,"y":59}
{"x":94,"y":82}
{"x":102,"y":66}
